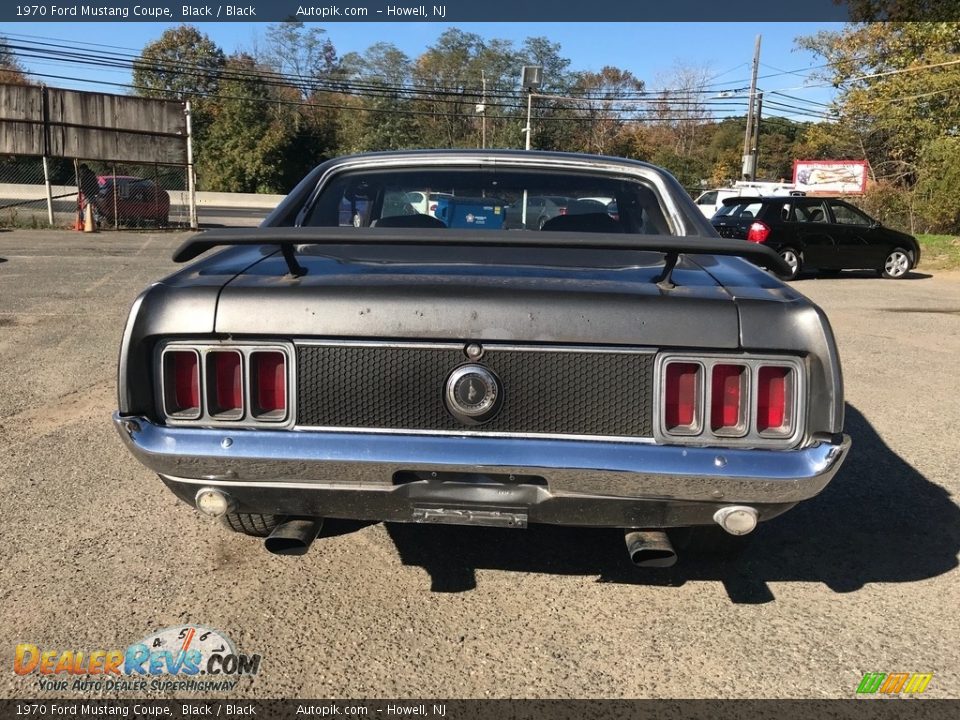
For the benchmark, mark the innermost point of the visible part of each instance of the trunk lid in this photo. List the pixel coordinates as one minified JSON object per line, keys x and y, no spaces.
{"x":551,"y":295}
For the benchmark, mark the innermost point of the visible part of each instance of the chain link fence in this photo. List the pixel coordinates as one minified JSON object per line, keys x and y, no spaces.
{"x":121,"y":195}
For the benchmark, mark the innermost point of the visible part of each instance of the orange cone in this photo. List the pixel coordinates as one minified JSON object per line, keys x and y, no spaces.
{"x":88,"y":225}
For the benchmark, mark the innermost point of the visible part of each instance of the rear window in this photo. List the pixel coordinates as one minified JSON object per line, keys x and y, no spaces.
{"x":490,"y":199}
{"x":743,"y":210}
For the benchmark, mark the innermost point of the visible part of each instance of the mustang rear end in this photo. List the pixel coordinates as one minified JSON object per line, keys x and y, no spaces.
{"x":354,"y":358}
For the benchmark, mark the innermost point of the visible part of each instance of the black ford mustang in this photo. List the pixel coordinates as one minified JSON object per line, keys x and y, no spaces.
{"x":828,"y":234}
{"x":381,"y":363}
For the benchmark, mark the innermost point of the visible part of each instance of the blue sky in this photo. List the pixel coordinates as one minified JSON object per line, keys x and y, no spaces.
{"x":646,"y":49}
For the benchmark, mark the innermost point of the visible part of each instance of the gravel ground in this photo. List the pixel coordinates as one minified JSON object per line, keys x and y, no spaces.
{"x":98,"y":553}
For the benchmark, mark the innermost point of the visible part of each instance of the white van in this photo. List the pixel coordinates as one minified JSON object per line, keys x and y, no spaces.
{"x":712,"y":200}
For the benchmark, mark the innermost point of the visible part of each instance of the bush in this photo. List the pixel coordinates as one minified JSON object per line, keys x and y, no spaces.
{"x":937,"y":196}
{"x":891,"y":205}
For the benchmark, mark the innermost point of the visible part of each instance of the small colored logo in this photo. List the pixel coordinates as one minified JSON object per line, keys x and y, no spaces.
{"x":204,"y":659}
{"x":894,"y":683}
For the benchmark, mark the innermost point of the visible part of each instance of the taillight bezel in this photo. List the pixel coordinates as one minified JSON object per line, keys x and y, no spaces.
{"x":167,"y":394}
{"x":209,"y":415}
{"x":748,"y":435}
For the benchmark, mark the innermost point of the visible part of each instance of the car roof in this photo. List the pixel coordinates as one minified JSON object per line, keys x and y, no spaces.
{"x":750,"y":199}
{"x":545,"y":155}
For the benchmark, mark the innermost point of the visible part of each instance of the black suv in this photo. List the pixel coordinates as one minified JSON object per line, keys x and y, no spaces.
{"x":818,"y":232}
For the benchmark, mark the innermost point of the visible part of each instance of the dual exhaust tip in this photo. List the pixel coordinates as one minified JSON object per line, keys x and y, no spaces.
{"x":646,"y":548}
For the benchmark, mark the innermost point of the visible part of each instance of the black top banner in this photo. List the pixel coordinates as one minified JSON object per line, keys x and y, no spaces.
{"x":454,"y":11}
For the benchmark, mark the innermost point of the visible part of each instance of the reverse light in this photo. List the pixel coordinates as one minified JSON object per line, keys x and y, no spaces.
{"x":774,"y":400}
{"x":682,"y":398}
{"x":758,"y":232}
{"x":181,"y":369}
{"x":269,"y":385}
{"x":727,"y":406}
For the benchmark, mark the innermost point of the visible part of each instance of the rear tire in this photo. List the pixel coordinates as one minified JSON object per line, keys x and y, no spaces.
{"x":793,"y":258}
{"x":251,"y":524}
{"x":897,"y":264}
{"x":709,"y":541}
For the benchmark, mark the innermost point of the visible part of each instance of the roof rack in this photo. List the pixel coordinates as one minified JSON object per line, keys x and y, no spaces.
{"x":289,"y":238}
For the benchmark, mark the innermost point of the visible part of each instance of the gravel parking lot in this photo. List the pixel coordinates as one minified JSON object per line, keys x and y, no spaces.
{"x":98,"y":554}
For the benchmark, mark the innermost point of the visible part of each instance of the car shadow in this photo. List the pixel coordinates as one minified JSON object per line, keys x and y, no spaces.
{"x":878,"y":521}
{"x":859,"y":275}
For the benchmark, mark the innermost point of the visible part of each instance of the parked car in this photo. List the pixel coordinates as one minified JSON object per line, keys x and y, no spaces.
{"x":825,"y":233}
{"x":426,"y":202}
{"x":540,"y":208}
{"x":635,"y":372}
{"x":124,"y":199}
{"x":710,"y":201}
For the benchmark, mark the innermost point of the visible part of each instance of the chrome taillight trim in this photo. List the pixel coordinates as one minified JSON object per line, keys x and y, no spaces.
{"x":163,"y":399}
{"x":796,"y":407}
{"x":701,"y":391}
{"x":245,"y":419}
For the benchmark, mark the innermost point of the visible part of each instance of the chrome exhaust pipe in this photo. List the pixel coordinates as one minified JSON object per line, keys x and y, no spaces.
{"x":650,"y":548}
{"x":293,"y":536}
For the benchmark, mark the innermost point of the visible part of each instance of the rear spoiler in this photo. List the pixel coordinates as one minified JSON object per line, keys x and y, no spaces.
{"x":288,"y":238}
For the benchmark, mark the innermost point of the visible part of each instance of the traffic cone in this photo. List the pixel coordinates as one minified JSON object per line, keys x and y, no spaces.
{"x":88,"y":225}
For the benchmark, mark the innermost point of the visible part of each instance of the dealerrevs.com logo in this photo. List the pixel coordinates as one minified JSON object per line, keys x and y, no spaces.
{"x":188,"y":658}
{"x":894,"y":683}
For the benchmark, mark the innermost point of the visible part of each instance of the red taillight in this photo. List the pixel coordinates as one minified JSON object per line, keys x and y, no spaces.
{"x":758,"y":232}
{"x":773,"y":399}
{"x":225,"y":383}
{"x":728,"y":388}
{"x":182,"y":382}
{"x":562,"y":211}
{"x":681,"y":397}
{"x":269,"y":376}
{"x":433,"y":207}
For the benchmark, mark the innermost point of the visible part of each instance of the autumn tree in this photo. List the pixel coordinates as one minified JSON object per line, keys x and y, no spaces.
{"x":12,"y":71}
{"x":897,"y":102}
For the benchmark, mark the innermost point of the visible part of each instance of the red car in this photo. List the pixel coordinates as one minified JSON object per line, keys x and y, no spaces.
{"x":124,"y":199}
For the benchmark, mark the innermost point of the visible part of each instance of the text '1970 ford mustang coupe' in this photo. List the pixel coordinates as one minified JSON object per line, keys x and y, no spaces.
{"x":356,"y":356}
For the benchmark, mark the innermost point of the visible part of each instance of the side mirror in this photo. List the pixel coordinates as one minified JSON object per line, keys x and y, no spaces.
{"x":875,"y":224}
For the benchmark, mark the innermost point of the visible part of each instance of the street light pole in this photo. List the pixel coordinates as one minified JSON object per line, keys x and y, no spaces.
{"x":526,"y":130}
{"x":530,"y":79}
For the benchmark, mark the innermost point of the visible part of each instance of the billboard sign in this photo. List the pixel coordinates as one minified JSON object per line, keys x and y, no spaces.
{"x":834,"y":177}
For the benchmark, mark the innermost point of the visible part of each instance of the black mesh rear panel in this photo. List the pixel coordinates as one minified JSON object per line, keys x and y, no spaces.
{"x":574,"y":393}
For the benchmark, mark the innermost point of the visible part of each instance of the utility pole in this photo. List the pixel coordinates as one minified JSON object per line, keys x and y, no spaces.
{"x":483,"y":119}
{"x":749,"y":158}
{"x":191,"y":174}
{"x":755,"y":145}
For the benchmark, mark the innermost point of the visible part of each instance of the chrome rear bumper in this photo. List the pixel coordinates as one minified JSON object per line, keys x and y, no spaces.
{"x":273,"y":471}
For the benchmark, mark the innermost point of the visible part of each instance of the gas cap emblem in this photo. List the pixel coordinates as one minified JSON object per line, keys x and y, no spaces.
{"x":473,"y":394}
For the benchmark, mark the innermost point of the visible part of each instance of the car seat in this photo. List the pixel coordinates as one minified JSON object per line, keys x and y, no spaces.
{"x":409,"y":221}
{"x":587,"y":222}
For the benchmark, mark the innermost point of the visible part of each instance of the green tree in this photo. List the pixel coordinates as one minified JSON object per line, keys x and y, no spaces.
{"x":250,"y":135}
{"x":382,"y":121}
{"x":183,"y":64}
